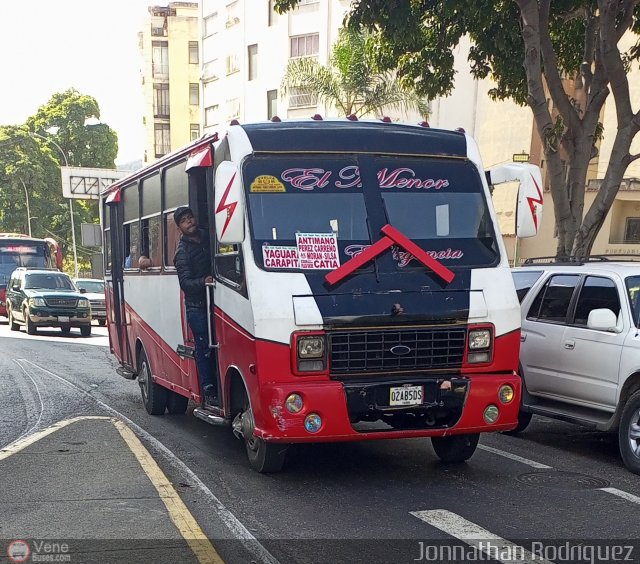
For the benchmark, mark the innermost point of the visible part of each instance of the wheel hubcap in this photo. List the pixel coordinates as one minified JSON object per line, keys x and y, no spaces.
{"x":143,"y":380}
{"x":634,"y":433}
{"x":248,"y":427}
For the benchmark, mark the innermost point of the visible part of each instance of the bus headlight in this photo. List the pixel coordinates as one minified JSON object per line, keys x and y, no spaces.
{"x":479,"y":346}
{"x":294,"y":403}
{"x":309,"y":353}
{"x":310,"y":347}
{"x":37,"y":302}
{"x":479,"y":339}
{"x":491,"y":414}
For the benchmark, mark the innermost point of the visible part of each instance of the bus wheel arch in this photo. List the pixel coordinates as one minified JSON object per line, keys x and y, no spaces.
{"x":264,"y":457}
{"x":154,"y":396}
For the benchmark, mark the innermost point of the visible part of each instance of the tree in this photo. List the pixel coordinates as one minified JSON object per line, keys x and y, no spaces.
{"x":350,"y":82}
{"x":528,"y":47}
{"x":29,"y":155}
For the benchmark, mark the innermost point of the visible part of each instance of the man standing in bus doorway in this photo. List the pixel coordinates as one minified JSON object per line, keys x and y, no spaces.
{"x":193,"y":263}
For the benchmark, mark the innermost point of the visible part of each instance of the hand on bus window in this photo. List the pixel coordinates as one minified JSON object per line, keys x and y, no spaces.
{"x":144,"y":262}
{"x":208,"y":280}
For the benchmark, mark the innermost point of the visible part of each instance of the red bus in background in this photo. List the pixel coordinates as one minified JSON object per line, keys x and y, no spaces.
{"x":21,"y":250}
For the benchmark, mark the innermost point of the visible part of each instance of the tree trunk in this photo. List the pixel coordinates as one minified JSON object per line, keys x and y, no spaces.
{"x":576,"y":183}
{"x":618,"y":163}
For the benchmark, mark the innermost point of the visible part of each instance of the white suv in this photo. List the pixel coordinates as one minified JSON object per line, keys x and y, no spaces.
{"x":580,"y":347}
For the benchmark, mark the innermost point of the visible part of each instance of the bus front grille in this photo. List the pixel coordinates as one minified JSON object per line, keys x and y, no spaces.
{"x":396,"y":350}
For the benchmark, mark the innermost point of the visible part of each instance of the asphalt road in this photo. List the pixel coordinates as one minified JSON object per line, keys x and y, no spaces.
{"x":382,"y":501}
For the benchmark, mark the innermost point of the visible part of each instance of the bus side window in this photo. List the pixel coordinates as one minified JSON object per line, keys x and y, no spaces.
{"x":131,"y":242}
{"x":229,"y":264}
{"x":150,"y":241}
{"x":171,"y":238}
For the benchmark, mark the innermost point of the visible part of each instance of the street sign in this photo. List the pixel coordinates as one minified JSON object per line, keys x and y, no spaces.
{"x":87,"y":183}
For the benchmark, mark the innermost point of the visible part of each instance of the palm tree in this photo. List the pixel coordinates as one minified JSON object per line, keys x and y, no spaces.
{"x":350,"y":81}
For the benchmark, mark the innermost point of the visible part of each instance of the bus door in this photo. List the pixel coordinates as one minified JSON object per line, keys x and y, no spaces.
{"x":117,"y":318}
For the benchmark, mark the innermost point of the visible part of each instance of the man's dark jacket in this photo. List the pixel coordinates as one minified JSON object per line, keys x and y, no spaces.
{"x":193,"y":263}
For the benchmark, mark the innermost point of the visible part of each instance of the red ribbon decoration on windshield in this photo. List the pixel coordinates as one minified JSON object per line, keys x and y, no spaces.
{"x":391,"y":237}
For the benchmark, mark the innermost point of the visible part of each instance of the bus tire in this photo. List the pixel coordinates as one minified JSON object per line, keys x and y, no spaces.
{"x":629,"y":434}
{"x":31,"y":326}
{"x":154,"y":396}
{"x":12,"y":323}
{"x":263,"y":457}
{"x":455,"y":448}
{"x":177,"y":404}
{"x":524,"y":419}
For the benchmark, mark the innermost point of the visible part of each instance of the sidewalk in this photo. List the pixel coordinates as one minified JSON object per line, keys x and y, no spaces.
{"x":83,"y":486}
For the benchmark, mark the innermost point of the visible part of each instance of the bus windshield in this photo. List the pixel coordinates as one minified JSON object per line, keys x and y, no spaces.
{"x":14,"y":254}
{"x":317,"y":212}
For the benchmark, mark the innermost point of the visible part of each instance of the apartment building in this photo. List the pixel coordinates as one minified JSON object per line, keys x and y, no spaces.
{"x":245,"y":50}
{"x":170,"y":49}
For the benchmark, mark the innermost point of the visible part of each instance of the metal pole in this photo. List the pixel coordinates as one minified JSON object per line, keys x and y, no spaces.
{"x":26,"y":195}
{"x":73,"y":228}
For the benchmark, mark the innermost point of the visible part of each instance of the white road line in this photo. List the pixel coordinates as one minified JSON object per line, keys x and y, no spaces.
{"x":20,"y":444}
{"x":624,"y":495}
{"x":238,"y":530}
{"x":514,"y":457}
{"x":493,"y":546}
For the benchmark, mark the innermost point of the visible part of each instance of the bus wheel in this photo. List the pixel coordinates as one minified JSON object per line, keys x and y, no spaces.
{"x":31,"y":326}
{"x":524,"y":419}
{"x":455,"y":448}
{"x":12,"y":324}
{"x":263,"y":457}
{"x":154,"y":396}
{"x":177,"y":404}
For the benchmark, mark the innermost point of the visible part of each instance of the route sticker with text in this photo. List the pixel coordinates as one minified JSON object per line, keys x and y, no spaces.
{"x":267,"y":183}
{"x":280,"y":257}
{"x":318,"y":251}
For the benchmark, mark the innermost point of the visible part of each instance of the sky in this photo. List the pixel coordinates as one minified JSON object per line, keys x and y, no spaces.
{"x":90,"y":45}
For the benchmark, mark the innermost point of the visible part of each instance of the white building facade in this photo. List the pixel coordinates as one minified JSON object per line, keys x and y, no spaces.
{"x":245,"y":50}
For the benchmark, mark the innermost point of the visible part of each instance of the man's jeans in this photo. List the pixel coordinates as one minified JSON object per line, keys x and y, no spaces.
{"x":197,"y":320}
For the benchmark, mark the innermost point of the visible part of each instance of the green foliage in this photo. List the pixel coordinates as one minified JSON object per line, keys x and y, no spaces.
{"x":352,"y":82}
{"x":30,"y":159}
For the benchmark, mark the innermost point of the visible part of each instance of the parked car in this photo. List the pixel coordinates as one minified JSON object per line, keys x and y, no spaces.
{"x":93,"y":290}
{"x":46,"y":298}
{"x":580,"y":346}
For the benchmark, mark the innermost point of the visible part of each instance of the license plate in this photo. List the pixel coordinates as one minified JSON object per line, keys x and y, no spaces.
{"x":63,"y":319}
{"x":406,"y":395}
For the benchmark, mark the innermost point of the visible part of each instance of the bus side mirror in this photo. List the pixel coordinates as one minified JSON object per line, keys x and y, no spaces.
{"x":529,"y":207}
{"x":229,"y":204}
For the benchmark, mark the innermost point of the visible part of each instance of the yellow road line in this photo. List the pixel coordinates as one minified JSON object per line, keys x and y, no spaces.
{"x":180,"y":515}
{"x":20,"y":444}
{"x":178,"y":512}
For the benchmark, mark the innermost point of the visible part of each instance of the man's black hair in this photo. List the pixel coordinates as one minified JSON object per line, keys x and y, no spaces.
{"x":180,"y":212}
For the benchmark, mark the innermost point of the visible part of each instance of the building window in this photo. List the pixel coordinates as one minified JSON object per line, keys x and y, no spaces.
{"x":233,"y":108}
{"x":161,"y":100}
{"x":162,"y":139}
{"x":195,"y":131}
{"x":252,"y":52}
{"x":232,"y":64}
{"x":211,"y":115}
{"x":160,"y":59}
{"x":194,"y":94}
{"x":305,"y":45}
{"x":194,"y":56}
{"x":272,"y":103}
{"x":209,"y":71}
{"x":632,"y":230}
{"x":302,"y":98}
{"x":210,"y":24}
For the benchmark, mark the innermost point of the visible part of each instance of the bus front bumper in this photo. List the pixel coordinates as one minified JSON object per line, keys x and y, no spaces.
{"x":351,"y":411}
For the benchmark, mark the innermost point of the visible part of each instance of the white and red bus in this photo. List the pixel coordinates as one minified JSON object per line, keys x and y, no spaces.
{"x":21,"y":250}
{"x":362,"y":289}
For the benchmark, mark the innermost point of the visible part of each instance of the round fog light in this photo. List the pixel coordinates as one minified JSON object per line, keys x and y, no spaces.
{"x":312,"y":422}
{"x":506,"y":393}
{"x":491,"y":414}
{"x":294,"y":403}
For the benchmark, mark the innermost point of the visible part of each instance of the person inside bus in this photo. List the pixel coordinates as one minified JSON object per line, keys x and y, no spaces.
{"x":193,"y":264}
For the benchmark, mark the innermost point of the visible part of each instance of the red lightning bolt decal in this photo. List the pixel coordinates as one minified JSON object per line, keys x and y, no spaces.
{"x":223,"y":205}
{"x":533,"y":201}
